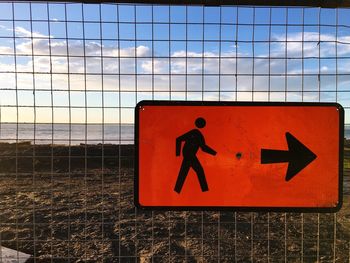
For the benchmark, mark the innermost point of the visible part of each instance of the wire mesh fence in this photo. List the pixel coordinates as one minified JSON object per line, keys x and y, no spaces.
{"x":71,"y":75}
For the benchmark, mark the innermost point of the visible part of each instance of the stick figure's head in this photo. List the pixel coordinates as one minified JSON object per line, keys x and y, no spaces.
{"x":200,"y":122}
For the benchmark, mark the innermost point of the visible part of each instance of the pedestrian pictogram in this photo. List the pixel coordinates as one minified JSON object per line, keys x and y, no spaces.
{"x":193,"y":141}
{"x":243,"y":156}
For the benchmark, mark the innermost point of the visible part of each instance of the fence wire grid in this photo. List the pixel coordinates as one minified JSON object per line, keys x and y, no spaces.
{"x":71,"y":75}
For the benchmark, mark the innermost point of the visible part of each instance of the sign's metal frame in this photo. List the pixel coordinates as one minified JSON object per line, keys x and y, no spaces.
{"x":245,"y":209}
{"x":314,"y":3}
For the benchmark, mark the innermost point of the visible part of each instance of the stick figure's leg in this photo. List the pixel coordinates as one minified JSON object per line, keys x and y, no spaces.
{"x":197,"y":167}
{"x":185,"y":167}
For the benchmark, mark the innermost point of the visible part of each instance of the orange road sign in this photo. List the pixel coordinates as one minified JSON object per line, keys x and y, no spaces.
{"x":242,"y":156}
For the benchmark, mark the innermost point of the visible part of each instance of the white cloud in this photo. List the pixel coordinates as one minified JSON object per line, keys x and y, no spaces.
{"x":202,"y":68}
{"x":315,"y":44}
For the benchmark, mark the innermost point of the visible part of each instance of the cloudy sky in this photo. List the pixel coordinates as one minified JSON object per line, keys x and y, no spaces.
{"x":79,"y":63}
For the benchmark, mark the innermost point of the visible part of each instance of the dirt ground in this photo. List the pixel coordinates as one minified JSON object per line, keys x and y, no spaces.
{"x":71,"y":205}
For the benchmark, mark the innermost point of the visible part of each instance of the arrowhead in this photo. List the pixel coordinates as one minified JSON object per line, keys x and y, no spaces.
{"x":300,"y":156}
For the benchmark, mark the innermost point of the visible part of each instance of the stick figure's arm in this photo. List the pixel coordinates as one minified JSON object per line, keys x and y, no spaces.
{"x":179,"y":141}
{"x":207,"y":149}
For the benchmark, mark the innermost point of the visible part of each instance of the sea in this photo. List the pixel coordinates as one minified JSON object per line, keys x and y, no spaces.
{"x":67,"y":134}
{"x":75,"y":134}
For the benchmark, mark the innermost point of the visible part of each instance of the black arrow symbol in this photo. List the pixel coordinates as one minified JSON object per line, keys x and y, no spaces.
{"x":298,"y":156}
